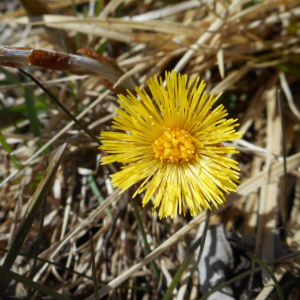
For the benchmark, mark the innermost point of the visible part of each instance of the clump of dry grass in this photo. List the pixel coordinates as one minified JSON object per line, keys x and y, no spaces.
{"x":248,"y":49}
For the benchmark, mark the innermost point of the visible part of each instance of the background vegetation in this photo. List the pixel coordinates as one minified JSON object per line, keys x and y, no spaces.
{"x":68,"y":239}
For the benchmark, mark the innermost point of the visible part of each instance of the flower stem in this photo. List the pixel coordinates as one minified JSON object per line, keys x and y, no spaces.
{"x":144,"y":237}
{"x":187,"y":260}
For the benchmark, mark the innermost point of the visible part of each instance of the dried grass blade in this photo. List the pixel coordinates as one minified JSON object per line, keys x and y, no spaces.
{"x":181,"y":269}
{"x":200,"y":242}
{"x":288,"y":95}
{"x":58,"y":37}
{"x":86,"y":222}
{"x":215,"y":26}
{"x":60,"y":133}
{"x":166,"y":11}
{"x":94,"y":270}
{"x":32,"y":210}
{"x":244,"y":189}
{"x":268,"y":196}
{"x":220,"y":59}
{"x":251,"y":271}
{"x":144,"y":237}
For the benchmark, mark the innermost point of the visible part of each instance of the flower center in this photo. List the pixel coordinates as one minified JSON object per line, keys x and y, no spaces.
{"x":174,"y":145}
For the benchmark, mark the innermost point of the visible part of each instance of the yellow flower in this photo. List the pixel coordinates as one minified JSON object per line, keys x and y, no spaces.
{"x":173,"y":146}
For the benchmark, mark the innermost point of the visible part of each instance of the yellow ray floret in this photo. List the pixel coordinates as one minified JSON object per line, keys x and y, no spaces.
{"x":173,"y":146}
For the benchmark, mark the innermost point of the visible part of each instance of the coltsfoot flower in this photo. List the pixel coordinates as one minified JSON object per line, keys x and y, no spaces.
{"x":173,"y":146}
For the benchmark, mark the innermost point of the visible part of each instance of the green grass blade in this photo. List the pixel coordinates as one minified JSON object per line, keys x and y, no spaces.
{"x":74,"y":97}
{"x":270,"y":272}
{"x":7,"y":148}
{"x":11,"y":78}
{"x":37,"y":286}
{"x":84,"y":128}
{"x":181,"y":269}
{"x":187,"y":259}
{"x":144,"y":237}
{"x":74,"y":9}
{"x":93,"y":185}
{"x":8,"y":115}
{"x":31,"y":212}
{"x":98,"y":7}
{"x":31,"y":112}
{"x":102,"y":47}
{"x":40,"y":234}
{"x":249,"y":272}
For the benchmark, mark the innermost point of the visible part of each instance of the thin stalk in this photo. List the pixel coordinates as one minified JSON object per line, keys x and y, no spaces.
{"x":144,"y":237}
{"x":31,"y":112}
{"x":85,"y":129}
{"x":284,"y":157}
{"x":181,"y":269}
{"x":249,"y":272}
{"x":270,"y":272}
{"x":203,"y":239}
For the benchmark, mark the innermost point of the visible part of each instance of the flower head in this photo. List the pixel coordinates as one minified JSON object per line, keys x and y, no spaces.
{"x":173,"y":146}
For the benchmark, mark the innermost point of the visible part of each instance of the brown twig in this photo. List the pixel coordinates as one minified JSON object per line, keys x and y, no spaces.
{"x":101,"y":66}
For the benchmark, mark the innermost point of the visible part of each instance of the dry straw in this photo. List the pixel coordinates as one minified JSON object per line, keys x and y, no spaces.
{"x":247,"y":49}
